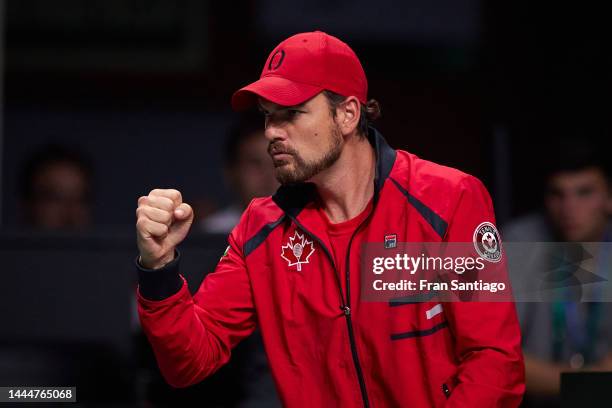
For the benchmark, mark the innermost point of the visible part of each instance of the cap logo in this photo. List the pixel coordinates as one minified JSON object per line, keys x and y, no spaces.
{"x":276,"y":60}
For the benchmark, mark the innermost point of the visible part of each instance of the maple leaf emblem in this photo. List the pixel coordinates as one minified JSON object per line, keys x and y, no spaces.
{"x":297,"y":251}
{"x":489,"y":241}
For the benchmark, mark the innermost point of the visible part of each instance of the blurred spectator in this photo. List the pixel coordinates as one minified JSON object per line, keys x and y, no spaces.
{"x":56,"y":189}
{"x":564,"y":335}
{"x":250,"y":174}
{"x":248,"y":170}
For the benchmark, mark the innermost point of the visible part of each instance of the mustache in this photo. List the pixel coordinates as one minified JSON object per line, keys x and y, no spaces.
{"x":278,"y":148}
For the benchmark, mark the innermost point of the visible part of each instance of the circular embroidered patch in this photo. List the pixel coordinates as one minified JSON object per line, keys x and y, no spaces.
{"x":487,"y":242}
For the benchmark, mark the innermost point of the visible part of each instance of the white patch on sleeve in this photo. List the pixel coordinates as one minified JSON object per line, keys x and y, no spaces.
{"x":434,"y":311}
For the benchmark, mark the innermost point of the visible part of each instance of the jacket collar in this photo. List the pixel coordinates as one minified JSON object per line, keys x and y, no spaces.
{"x":293,"y":198}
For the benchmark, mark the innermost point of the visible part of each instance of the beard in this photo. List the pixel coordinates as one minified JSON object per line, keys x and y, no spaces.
{"x":303,"y":170}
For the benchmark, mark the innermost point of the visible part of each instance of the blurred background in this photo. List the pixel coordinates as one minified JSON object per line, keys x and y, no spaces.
{"x":103,"y":100}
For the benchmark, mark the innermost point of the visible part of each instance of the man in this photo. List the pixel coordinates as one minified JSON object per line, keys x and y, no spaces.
{"x":578,"y":205}
{"x":56,"y":189}
{"x":248,"y":171}
{"x":342,"y":186}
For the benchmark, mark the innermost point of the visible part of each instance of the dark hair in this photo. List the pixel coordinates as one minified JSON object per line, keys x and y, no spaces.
{"x":249,"y":123}
{"x":369,"y":112}
{"x":47,"y":155}
{"x":572,"y":155}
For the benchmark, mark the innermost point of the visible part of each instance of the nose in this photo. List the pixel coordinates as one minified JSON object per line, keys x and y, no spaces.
{"x":569,"y":204}
{"x":274,"y":131}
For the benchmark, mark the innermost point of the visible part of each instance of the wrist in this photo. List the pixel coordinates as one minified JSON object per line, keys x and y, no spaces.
{"x":158,"y":263}
{"x":161,"y":283}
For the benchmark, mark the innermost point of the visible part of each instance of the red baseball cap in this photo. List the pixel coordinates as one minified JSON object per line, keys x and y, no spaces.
{"x":301,"y":67}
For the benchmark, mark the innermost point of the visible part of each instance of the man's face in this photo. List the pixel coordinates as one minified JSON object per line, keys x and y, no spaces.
{"x":304,"y":140}
{"x":579,"y":204}
{"x":60,"y":199}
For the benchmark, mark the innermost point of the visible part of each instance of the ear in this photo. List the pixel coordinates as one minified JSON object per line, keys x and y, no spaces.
{"x":348,"y":115}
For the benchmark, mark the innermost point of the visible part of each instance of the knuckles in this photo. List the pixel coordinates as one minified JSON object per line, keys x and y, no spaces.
{"x":170,"y":193}
{"x":148,"y":215}
{"x":160,"y":202}
{"x":161,"y":216}
{"x":166,"y":217}
{"x":140,"y":223}
{"x":153,"y":227}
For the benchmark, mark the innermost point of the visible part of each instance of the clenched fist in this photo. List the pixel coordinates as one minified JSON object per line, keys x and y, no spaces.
{"x":162,"y":222}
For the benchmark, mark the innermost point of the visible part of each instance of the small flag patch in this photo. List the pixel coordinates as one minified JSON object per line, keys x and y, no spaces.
{"x":390,"y":241}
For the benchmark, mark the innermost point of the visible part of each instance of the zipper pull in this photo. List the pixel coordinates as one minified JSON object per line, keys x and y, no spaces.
{"x":445,"y":390}
{"x":346,"y":310}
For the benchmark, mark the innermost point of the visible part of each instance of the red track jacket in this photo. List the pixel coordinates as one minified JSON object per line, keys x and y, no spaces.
{"x":325,"y":347}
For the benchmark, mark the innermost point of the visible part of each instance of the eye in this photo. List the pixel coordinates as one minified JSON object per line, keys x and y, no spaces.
{"x":291,"y":113}
{"x":585,"y":191}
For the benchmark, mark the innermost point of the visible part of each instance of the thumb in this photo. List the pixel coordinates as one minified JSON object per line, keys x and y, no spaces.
{"x":183,"y":212}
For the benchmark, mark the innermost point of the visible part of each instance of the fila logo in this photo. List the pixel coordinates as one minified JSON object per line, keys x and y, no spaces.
{"x":297,"y":251}
{"x":390,"y":241}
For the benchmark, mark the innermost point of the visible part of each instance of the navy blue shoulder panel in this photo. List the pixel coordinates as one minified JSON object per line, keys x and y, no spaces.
{"x":291,"y":199}
{"x":261,"y":236}
{"x":385,"y":158}
{"x":433,"y":219}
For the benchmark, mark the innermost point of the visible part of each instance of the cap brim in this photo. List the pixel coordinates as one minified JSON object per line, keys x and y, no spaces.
{"x":275,"y":89}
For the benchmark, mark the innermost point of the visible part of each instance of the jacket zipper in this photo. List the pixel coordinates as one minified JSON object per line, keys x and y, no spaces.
{"x":345,"y":307}
{"x":349,"y":322}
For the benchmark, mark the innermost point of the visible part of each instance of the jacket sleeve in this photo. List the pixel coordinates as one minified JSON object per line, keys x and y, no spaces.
{"x":192,"y":337}
{"x":488,"y":339}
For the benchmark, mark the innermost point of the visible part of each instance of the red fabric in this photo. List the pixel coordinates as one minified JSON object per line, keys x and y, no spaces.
{"x":339,"y":237}
{"x":477,"y":356}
